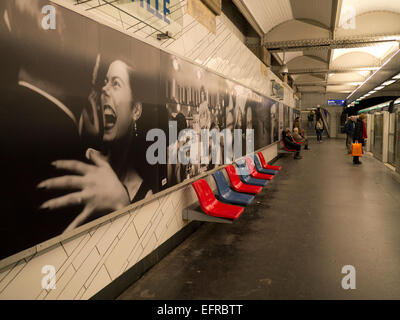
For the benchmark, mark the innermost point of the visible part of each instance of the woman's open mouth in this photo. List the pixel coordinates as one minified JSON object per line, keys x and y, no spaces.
{"x":110,"y":118}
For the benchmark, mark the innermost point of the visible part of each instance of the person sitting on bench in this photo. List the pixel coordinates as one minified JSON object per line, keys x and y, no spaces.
{"x":290,"y":144}
{"x":298,"y":138}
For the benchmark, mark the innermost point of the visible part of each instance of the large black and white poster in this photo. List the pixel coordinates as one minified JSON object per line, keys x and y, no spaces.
{"x":78,"y":102}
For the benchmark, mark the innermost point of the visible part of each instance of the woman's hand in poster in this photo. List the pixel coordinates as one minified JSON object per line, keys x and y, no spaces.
{"x":99,"y":188}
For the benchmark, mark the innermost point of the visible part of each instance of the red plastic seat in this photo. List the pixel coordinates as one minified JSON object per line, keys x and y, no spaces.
{"x":254,"y":173}
{"x":266,"y":165}
{"x":211,"y":205}
{"x":289,"y":150}
{"x":237,"y":184}
{"x":296,"y":141}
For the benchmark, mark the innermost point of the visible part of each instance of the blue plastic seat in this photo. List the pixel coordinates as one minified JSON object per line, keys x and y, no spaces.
{"x":260,"y":168}
{"x":227,"y":194}
{"x":244,"y":175}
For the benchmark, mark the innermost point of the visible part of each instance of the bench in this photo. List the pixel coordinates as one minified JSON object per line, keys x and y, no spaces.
{"x":286,"y":149}
{"x":244,"y":175}
{"x":210,"y":209}
{"x":196,"y":213}
{"x":254,"y":173}
{"x":215,"y":211}
{"x":260,"y":168}
{"x":266,"y":165}
{"x":238,"y":185}
{"x":227,"y":194}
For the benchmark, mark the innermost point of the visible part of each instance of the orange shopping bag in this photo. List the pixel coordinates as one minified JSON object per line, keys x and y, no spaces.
{"x":356,"y":150}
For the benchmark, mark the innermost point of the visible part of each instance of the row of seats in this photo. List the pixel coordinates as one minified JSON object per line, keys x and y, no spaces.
{"x":254,"y":174}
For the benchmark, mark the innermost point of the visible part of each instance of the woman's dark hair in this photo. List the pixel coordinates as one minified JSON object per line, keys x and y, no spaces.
{"x":131,"y":76}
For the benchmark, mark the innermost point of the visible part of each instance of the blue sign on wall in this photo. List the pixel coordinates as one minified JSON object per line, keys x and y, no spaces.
{"x":157,"y":11}
{"x":336,"y":102}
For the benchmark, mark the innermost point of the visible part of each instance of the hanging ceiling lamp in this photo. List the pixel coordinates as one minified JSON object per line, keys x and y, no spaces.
{"x":284,"y":69}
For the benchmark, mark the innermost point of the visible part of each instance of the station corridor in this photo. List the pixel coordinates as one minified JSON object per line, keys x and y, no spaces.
{"x":318,"y":215}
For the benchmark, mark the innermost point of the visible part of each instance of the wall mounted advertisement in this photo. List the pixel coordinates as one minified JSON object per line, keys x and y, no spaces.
{"x":78,"y":103}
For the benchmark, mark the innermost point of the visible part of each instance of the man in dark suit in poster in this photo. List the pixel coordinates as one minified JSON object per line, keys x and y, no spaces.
{"x":61,"y":107}
{"x":39,"y":120}
{"x":47,"y":76}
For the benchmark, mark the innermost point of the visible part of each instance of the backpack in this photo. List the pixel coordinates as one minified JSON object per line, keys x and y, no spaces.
{"x":319,"y":126}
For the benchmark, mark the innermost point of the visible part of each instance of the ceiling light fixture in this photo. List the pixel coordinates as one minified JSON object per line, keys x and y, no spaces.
{"x":284,"y":69}
{"x":379,"y":88}
{"x":387,"y":61}
{"x":388,"y":83}
{"x":396,"y":77}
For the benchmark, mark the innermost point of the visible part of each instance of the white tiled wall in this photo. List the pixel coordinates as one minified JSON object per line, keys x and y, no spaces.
{"x":88,"y":262}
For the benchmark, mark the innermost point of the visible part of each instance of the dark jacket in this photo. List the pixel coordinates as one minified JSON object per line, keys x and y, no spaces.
{"x":349,"y":127}
{"x":290,"y":144}
{"x":358,"y":131}
{"x":318,"y":114}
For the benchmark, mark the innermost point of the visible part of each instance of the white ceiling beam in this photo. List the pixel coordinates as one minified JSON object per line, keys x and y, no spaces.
{"x":323,"y":83}
{"x":344,"y":70}
{"x":249,"y":17}
{"x":336,"y":11}
{"x":326,"y":44}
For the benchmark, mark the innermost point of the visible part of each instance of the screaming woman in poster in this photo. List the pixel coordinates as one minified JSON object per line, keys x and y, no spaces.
{"x":111,"y":181}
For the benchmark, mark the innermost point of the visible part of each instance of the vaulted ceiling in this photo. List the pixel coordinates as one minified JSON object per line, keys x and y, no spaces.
{"x":329,"y":46}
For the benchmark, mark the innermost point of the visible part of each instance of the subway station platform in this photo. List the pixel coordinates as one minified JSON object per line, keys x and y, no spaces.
{"x":319,"y":214}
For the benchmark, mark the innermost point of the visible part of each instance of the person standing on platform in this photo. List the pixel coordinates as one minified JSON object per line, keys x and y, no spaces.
{"x":319,"y":128}
{"x":360,"y":135}
{"x":318,"y":114}
{"x":311,"y":119}
{"x":349,"y":129}
{"x":296,"y":123}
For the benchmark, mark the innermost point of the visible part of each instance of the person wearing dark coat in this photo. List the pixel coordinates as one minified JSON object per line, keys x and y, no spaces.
{"x":360,"y":134}
{"x":290,"y":144}
{"x":318,"y":113}
{"x":349,"y":128}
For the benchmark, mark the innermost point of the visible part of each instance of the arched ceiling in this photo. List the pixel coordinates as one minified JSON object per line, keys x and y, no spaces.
{"x":271,"y":13}
{"x":338,"y":44}
{"x":359,"y":7}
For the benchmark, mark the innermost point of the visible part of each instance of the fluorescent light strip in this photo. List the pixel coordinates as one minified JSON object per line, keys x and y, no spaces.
{"x":396,"y":77}
{"x":379,"y":88}
{"x":373,"y":74}
{"x":388,"y":83}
